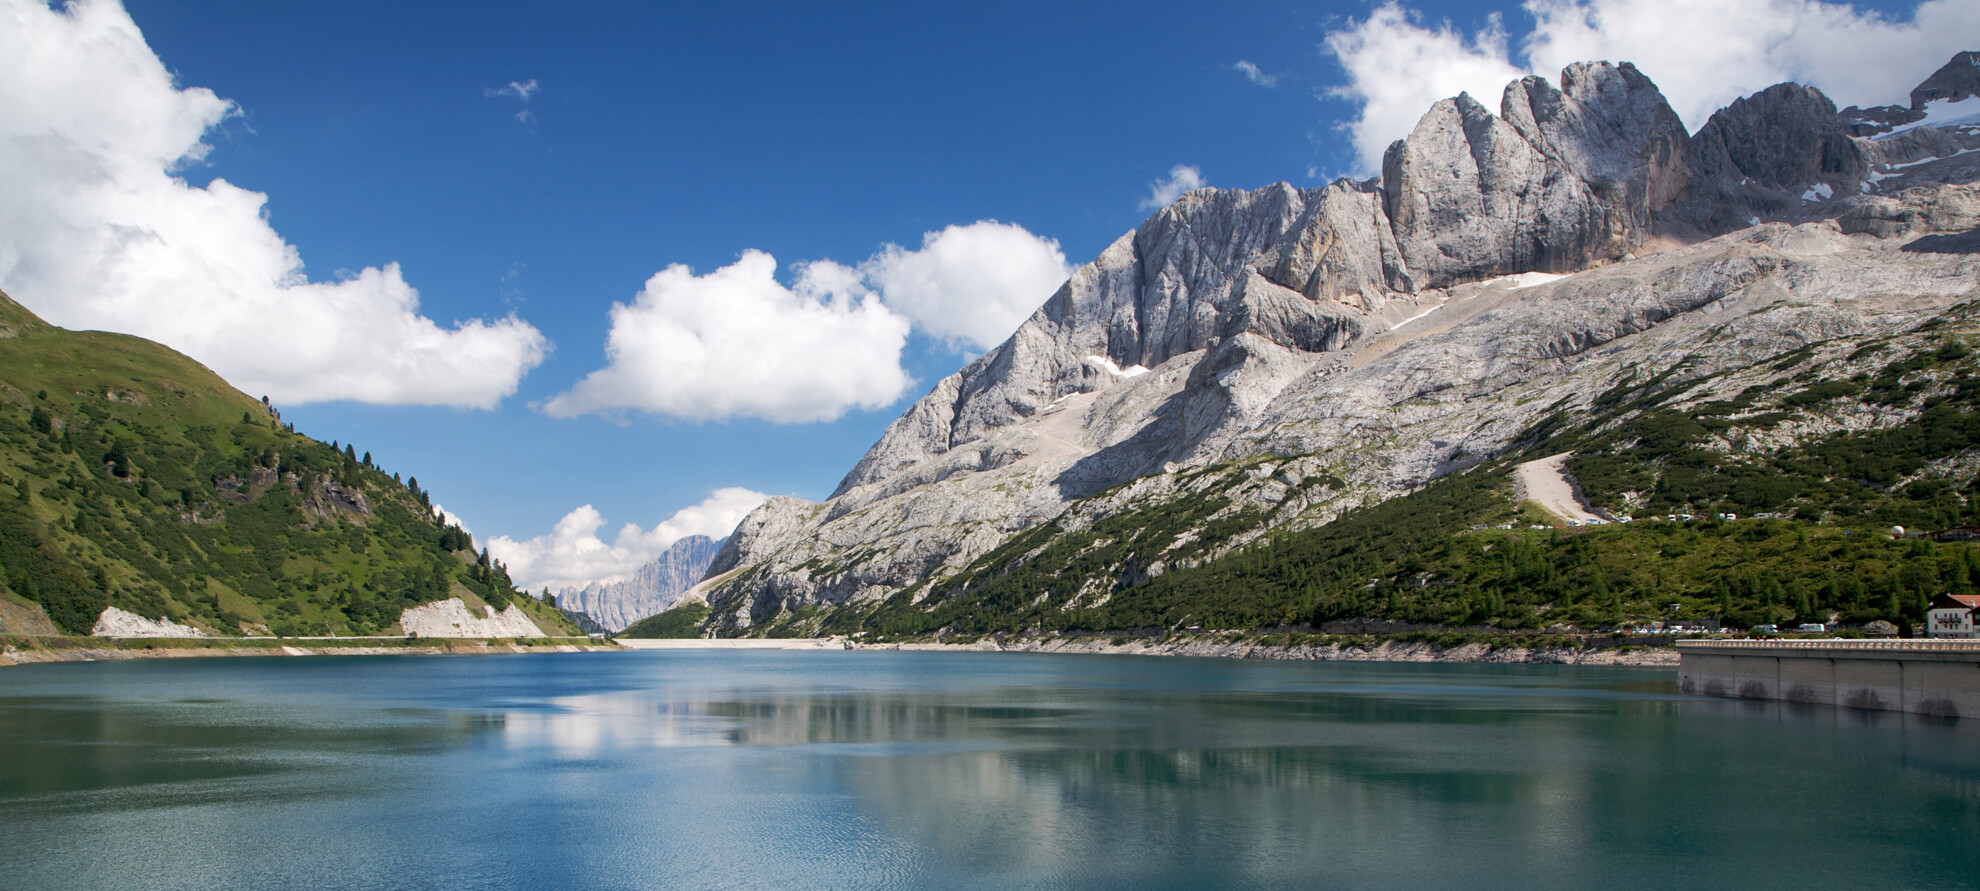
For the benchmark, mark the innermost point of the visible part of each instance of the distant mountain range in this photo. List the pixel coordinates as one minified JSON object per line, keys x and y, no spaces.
{"x":1292,"y":405}
{"x":616,"y":605}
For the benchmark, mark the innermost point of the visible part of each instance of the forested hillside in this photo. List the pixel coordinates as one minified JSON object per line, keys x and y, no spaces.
{"x":132,"y":476}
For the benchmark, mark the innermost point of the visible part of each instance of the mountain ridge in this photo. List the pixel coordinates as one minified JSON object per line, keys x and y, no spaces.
{"x":1346,"y":328}
{"x":650,"y":590}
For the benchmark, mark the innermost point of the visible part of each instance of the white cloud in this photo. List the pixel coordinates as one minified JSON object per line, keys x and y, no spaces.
{"x":572,"y":555}
{"x":1253,"y":74}
{"x":736,"y":342}
{"x":1164,"y":192}
{"x":972,"y":284}
{"x":521,"y":91}
{"x":1397,"y":68}
{"x":1702,"y":53}
{"x":96,"y":231}
{"x":1705,"y":53}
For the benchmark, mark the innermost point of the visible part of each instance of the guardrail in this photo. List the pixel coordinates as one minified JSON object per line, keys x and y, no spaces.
{"x":1915,"y":645}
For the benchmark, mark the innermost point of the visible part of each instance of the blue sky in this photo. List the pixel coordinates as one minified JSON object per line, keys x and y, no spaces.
{"x":542,"y":161}
{"x":665,"y":136}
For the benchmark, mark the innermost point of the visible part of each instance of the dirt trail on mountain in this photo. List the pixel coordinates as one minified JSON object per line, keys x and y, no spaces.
{"x":1545,"y":482}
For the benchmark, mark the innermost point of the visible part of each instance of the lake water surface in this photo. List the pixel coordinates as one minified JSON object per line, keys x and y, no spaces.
{"x":755,"y":769}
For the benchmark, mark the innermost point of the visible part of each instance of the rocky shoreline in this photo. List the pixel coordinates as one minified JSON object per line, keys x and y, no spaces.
{"x":1213,"y":647}
{"x":1384,"y":651}
{"x":109,"y":650}
{"x":79,"y":650}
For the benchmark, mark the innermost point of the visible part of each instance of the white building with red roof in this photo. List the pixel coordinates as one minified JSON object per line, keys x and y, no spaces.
{"x":1953,"y":615}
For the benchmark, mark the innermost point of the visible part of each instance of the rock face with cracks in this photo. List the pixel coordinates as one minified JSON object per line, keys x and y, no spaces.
{"x":451,"y":618}
{"x":1380,"y":334}
{"x":649,"y":591}
{"x":116,"y":622}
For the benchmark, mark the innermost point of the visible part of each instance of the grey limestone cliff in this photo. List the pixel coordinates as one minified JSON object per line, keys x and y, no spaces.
{"x":1558,"y":180}
{"x":650,"y":591}
{"x":1382,"y":333}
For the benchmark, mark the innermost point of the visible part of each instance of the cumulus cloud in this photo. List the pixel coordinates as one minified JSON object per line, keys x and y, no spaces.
{"x":449,"y":517}
{"x":1163,"y":192}
{"x":520,"y":91}
{"x":736,"y":342}
{"x":98,"y":231}
{"x":572,"y":555}
{"x":1253,"y":74}
{"x":1702,"y":53}
{"x":1705,"y":54}
{"x":970,"y":284}
{"x":1397,"y":67}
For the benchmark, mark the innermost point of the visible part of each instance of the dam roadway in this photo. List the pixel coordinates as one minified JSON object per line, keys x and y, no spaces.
{"x":1925,"y":676}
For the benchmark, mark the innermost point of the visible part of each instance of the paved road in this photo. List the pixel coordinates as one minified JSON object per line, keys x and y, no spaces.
{"x":731,"y":643}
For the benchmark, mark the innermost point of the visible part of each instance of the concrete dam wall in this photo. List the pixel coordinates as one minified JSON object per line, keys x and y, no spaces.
{"x":1927,"y":677}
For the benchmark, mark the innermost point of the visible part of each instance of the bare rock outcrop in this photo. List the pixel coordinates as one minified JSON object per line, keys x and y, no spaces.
{"x":329,"y":500}
{"x":1956,"y":80}
{"x":1764,"y":156}
{"x":1560,"y":179}
{"x":451,"y":618}
{"x":236,"y":490}
{"x":122,"y":623}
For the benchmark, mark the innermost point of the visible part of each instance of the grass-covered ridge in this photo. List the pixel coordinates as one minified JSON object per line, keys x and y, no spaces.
{"x":132,"y":476}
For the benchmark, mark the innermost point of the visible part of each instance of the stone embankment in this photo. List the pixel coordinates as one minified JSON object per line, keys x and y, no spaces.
{"x":1384,"y":651}
{"x":1926,"y":677}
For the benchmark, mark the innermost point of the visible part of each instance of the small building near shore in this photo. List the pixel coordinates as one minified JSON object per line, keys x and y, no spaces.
{"x":1953,"y":615}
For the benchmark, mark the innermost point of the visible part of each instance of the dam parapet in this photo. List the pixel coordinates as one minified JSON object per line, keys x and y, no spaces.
{"x":1927,"y":677}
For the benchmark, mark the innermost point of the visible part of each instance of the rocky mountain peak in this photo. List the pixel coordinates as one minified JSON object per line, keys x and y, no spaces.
{"x":1757,"y":158}
{"x":1373,"y":328}
{"x":1954,"y":81}
{"x":1786,"y":136}
{"x":1559,"y":179}
{"x":650,"y":590}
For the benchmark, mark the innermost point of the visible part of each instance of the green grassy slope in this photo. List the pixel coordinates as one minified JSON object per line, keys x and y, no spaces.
{"x":1837,"y":442}
{"x":131,"y":475}
{"x":681,"y":621}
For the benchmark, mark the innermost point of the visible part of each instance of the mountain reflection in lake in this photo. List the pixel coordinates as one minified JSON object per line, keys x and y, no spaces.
{"x":869,"y":769}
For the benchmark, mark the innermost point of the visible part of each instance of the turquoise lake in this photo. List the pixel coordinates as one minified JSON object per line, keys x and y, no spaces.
{"x":767,"y":769}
